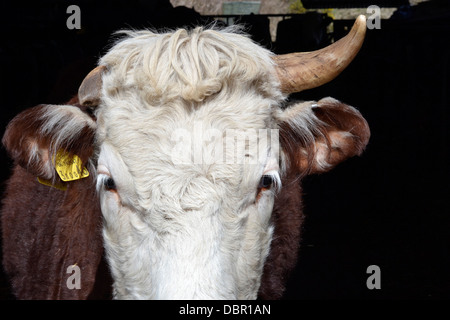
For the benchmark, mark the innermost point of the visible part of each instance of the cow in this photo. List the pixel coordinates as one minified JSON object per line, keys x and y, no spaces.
{"x":180,"y":163}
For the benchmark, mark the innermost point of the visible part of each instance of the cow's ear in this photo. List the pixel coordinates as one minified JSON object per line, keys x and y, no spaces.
{"x":316,"y":136}
{"x":34,"y":137}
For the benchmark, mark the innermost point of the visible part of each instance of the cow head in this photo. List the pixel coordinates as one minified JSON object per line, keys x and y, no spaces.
{"x":190,"y":147}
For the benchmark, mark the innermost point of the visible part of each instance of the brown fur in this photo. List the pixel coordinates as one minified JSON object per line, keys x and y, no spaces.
{"x":46,"y":230}
{"x":340,"y":117}
{"x":335,"y":117}
{"x":288,"y":218}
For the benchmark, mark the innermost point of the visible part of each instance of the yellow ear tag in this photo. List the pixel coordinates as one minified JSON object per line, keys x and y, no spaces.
{"x":69,"y":167}
{"x":59,"y":185}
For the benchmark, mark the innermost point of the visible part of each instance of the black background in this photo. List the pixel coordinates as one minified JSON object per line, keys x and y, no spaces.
{"x":387,"y":208}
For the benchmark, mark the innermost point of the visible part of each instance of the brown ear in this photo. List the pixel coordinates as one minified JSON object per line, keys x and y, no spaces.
{"x":35,"y":135}
{"x":315,"y":137}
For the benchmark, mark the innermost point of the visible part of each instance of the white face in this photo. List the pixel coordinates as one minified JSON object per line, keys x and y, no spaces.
{"x":184,"y":213}
{"x":186,"y":209}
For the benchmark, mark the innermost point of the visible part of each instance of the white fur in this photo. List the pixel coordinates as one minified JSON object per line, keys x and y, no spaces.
{"x":64,"y":123}
{"x":184,"y":230}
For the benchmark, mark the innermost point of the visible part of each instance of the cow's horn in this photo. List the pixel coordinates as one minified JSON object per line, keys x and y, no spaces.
{"x":305,"y":70}
{"x":91,"y":88}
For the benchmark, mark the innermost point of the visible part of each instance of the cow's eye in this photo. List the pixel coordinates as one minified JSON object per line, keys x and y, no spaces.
{"x":265,"y":182}
{"x":109,"y":184}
